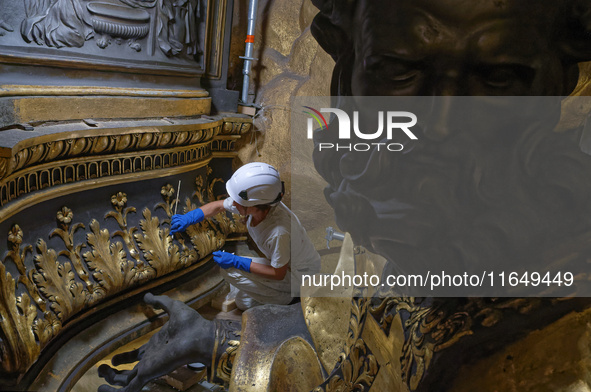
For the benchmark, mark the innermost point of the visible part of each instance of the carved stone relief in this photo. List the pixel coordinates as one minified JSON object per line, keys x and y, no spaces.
{"x":4,"y":27}
{"x":111,"y":21}
{"x":148,"y":36}
{"x":73,"y":22}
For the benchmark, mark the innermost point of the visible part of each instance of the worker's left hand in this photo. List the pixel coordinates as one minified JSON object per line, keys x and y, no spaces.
{"x":227,"y":260}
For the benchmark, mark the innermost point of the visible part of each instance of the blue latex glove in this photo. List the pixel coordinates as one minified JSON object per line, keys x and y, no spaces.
{"x":227,"y":260}
{"x":181,"y":222}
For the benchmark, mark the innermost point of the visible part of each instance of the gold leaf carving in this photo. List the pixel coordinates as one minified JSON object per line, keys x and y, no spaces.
{"x":66,"y":281}
{"x":4,"y":162}
{"x":77,"y":156}
{"x":430,"y":330}
{"x":224,"y":370}
{"x":57,"y":283}
{"x":15,"y":239}
{"x":19,"y":348}
{"x":72,"y":252}
{"x":226,"y":344}
{"x":357,"y":367}
{"x":157,"y":246}
{"x":119,"y":202}
{"x":112,"y":271}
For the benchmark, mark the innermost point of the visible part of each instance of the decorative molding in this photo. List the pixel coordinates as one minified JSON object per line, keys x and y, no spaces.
{"x":224,"y":144}
{"x":9,"y":90}
{"x":47,"y":176}
{"x":35,"y":305}
{"x":12,"y":55}
{"x":31,"y":111}
{"x":68,"y":158}
{"x":36,"y":151}
{"x":235,"y":126}
{"x":26,"y":201}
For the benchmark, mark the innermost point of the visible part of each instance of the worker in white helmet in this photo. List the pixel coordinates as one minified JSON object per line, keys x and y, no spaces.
{"x":255,"y":191}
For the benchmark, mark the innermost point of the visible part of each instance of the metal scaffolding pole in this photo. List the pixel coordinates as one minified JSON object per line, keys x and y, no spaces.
{"x":252,"y":12}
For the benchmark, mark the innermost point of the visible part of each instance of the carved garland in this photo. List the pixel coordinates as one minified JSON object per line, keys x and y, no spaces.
{"x":35,"y":305}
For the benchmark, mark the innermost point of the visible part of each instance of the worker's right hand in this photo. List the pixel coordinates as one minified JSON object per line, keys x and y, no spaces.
{"x":181,"y":222}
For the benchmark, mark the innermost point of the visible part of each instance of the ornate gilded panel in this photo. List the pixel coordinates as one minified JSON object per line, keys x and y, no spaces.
{"x":83,"y":262}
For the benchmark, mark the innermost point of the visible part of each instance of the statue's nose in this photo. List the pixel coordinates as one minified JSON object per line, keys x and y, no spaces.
{"x":441,"y":118}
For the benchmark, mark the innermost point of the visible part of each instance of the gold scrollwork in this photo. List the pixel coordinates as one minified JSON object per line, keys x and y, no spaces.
{"x":432,"y":328}
{"x":227,"y":342}
{"x":357,"y":367}
{"x":63,"y":283}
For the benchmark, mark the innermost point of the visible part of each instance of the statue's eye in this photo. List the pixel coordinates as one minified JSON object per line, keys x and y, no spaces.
{"x":506,"y":76}
{"x":392,"y":69}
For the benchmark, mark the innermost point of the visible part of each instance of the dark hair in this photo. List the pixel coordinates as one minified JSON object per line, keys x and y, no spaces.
{"x":263,"y":207}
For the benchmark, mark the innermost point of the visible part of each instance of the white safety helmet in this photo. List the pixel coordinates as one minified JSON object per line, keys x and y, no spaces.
{"x":255,"y":184}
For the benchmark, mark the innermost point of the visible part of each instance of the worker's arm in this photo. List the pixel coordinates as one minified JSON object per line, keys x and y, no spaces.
{"x":213,"y":208}
{"x":181,"y":222}
{"x":269,"y":272}
{"x":228,"y":260}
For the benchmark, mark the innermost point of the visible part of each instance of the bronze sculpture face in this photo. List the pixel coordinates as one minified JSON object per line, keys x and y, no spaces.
{"x":454,"y":47}
{"x":472,"y":185}
{"x":447,"y":48}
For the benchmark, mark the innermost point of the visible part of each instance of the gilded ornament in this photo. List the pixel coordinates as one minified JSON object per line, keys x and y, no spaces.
{"x":227,"y":342}
{"x":72,"y":252}
{"x":91,"y":271}
{"x":65,"y":216}
{"x":357,"y":367}
{"x":15,"y":237}
{"x":119,"y":200}
{"x":39,"y":163}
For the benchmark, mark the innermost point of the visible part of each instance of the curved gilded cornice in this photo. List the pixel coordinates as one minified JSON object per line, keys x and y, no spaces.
{"x":70,"y":155}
